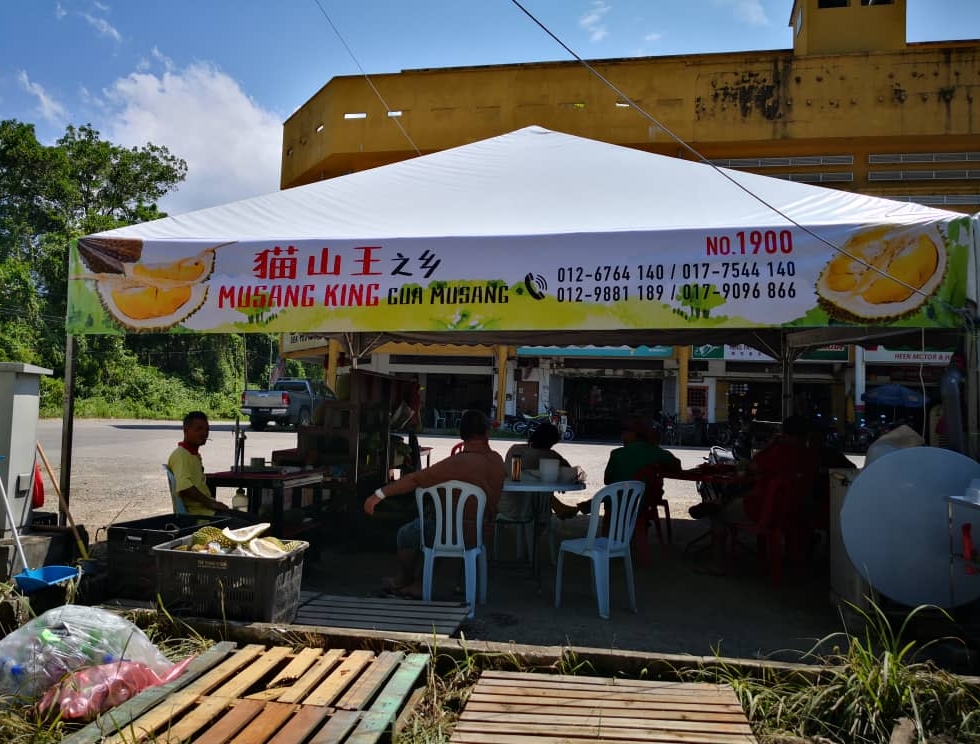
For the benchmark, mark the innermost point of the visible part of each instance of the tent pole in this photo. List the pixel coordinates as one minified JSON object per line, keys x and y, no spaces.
{"x":786,"y":372}
{"x":67,"y":425}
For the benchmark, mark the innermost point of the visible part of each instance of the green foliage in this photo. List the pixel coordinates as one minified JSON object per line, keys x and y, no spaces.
{"x":866,"y":684}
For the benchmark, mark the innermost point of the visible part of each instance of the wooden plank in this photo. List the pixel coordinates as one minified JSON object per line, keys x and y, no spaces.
{"x":293,"y":671}
{"x":338,"y":680}
{"x":250,"y":676}
{"x":477,"y":737}
{"x":602,"y":722}
{"x":380,"y":717}
{"x":389,"y":614}
{"x":227,"y":669}
{"x":399,"y":605}
{"x":337,"y":728}
{"x":442,"y":630}
{"x":207,"y":712}
{"x":684,"y":711}
{"x":370,"y":682}
{"x":599,"y":733}
{"x":155,"y":719}
{"x":535,"y":679}
{"x":229,"y":725}
{"x":298,"y":690}
{"x":573,"y":697}
{"x":123,"y":715}
{"x":301,"y":725}
{"x":266,"y":724}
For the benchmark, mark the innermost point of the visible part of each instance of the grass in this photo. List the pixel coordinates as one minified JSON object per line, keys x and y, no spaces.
{"x":869,"y":680}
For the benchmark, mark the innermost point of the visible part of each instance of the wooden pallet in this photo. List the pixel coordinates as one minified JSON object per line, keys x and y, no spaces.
{"x":431,"y":619}
{"x":520,"y":708}
{"x":256,"y":695}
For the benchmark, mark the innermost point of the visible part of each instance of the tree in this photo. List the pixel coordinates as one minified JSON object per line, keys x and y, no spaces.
{"x":49,"y":196}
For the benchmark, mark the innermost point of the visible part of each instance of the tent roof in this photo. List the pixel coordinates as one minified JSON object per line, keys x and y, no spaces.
{"x":529,"y":182}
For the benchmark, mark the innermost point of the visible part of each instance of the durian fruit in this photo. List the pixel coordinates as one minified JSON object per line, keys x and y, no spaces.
{"x":244,"y":535}
{"x":853,"y":288}
{"x":265,"y":547}
{"x":190,"y":269}
{"x":210,"y":534}
{"x":142,"y":307}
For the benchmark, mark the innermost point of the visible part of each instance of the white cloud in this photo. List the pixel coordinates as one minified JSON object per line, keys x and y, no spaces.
{"x":654,"y":36}
{"x":102,"y":26}
{"x":59,"y":11}
{"x":592,"y":21}
{"x":231,"y":144}
{"x":748,"y":11}
{"x":101,"y":6}
{"x":49,"y":109}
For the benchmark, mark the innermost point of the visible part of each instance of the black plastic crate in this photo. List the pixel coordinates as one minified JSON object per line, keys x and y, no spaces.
{"x":229,"y":587}
{"x":132,"y":565}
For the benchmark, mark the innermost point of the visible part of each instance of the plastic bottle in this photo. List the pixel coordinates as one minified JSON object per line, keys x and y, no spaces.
{"x":240,"y":500}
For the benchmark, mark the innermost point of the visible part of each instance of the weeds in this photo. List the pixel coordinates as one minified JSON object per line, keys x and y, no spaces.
{"x":861,"y":689}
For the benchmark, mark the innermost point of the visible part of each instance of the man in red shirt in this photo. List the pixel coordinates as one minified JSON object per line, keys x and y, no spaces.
{"x":786,"y":459}
{"x":476,"y":464}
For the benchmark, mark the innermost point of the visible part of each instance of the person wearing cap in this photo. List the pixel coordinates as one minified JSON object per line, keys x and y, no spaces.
{"x":476,"y":463}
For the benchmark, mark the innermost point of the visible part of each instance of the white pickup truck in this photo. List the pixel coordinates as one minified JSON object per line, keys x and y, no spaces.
{"x":290,"y":402}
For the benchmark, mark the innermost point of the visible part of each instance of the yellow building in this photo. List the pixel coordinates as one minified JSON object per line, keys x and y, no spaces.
{"x":850,"y":106}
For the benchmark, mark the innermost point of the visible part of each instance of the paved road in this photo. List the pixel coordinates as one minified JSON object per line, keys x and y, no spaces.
{"x":116,"y":473}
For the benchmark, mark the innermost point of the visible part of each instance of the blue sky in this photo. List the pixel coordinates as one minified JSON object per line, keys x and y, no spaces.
{"x":213,"y":80}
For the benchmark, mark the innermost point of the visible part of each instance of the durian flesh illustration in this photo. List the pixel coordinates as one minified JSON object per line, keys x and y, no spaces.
{"x":146,"y":296}
{"x":883,"y":273}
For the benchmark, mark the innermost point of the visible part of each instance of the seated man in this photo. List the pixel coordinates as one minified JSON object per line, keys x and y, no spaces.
{"x":641,"y":447}
{"x":476,"y":464}
{"x":517,"y":506}
{"x":787,"y":456}
{"x":188,"y":469}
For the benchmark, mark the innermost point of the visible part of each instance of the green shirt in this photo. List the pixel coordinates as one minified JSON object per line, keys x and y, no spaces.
{"x":189,"y":471}
{"x":626,"y":461}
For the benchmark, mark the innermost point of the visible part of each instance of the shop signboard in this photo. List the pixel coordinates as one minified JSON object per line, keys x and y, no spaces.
{"x":656,"y":279}
{"x":600,"y":352}
{"x":743,"y":353}
{"x":881,"y":355}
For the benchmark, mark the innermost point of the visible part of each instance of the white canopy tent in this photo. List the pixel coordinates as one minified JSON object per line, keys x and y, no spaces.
{"x":538,"y":237}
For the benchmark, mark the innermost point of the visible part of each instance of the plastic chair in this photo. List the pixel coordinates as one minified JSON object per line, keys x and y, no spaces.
{"x":444,"y":505}
{"x":782,"y":526}
{"x":457,"y":448}
{"x":654,"y":482}
{"x":438,"y":421}
{"x":179,"y":507}
{"x":624,"y":505}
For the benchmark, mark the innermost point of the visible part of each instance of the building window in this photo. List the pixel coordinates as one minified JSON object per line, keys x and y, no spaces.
{"x":833,"y":3}
{"x":877,"y":2}
{"x":799,"y":21}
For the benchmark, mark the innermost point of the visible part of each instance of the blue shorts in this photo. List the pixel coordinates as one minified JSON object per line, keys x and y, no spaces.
{"x":410,"y":534}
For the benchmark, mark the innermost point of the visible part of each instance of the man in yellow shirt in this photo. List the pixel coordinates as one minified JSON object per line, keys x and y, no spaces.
{"x":185,"y":462}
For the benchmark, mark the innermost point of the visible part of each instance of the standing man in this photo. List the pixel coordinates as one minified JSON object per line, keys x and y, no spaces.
{"x":476,"y":464}
{"x":186,"y":465}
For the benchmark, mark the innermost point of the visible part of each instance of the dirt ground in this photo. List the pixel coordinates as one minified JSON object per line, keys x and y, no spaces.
{"x":116,"y":476}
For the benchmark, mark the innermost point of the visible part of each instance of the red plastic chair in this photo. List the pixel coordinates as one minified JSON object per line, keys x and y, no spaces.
{"x":782,"y":528}
{"x":653,"y":500}
{"x":457,"y":448}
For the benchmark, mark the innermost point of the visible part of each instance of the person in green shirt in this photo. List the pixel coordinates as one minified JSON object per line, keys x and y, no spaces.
{"x":641,"y":447}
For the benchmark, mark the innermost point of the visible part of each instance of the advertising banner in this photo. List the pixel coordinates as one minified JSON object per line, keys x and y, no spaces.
{"x":743,"y":353}
{"x":667,"y":279}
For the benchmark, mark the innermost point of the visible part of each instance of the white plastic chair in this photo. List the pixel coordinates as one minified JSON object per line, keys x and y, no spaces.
{"x":179,"y":506}
{"x":444,"y":504}
{"x":438,"y":422}
{"x":623,"y":505}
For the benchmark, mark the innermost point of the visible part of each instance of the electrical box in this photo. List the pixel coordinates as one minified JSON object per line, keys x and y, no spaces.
{"x":20,"y":389}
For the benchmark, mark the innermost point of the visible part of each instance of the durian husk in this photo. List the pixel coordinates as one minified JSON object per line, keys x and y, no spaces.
{"x":879,"y":246}
{"x":160,"y":308}
{"x":109,"y":255}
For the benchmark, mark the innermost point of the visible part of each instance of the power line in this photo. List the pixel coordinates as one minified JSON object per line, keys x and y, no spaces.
{"x":369,"y":81}
{"x":649,"y":117}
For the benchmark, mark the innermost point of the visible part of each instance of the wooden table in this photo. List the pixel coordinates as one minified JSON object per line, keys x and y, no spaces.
{"x":254,"y":481}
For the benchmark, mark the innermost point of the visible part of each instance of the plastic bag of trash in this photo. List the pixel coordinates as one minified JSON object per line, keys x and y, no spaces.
{"x":65,"y":639}
{"x":85,"y":693}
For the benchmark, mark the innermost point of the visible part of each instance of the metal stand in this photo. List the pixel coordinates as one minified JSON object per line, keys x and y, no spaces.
{"x":239,"y":462}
